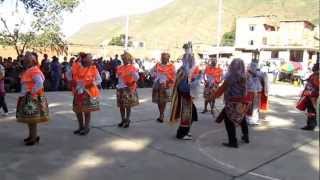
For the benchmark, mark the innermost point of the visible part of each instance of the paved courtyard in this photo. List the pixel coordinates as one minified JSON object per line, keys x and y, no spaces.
{"x":149,"y":150}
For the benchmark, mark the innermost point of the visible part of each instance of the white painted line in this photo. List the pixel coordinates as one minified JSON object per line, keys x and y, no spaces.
{"x":263,"y":176}
{"x":203,"y":151}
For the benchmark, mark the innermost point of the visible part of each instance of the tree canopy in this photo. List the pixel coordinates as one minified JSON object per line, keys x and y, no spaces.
{"x":44,"y":31}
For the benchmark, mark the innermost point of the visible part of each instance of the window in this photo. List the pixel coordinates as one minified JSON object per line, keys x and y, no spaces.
{"x":252,"y":27}
{"x":264,"y":41}
{"x":296,"y":55}
{"x":251,"y":42}
{"x":274,"y":54}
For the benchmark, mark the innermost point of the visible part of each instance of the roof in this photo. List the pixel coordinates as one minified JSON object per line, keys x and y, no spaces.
{"x":304,"y":21}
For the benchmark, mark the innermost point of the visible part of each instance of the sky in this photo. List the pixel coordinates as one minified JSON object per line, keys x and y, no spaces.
{"x":88,"y":11}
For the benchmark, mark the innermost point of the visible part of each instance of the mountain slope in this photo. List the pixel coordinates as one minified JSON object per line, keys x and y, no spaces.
{"x":194,"y":20}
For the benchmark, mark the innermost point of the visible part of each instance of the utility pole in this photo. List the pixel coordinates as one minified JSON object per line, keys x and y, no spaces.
{"x":219,"y":26}
{"x":127,"y":34}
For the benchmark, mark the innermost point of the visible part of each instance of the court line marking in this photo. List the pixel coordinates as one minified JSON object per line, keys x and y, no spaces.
{"x":203,"y":151}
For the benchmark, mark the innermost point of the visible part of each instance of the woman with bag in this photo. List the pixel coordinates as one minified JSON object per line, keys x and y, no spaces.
{"x":32,"y":106}
{"x":127,"y":96}
{"x":234,"y":111}
{"x":85,"y":81}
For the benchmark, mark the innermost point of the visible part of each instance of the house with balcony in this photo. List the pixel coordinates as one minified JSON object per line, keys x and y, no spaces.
{"x":287,"y":40}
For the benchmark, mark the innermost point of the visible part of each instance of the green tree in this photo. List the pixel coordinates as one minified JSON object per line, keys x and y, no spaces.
{"x":228,"y":38}
{"x":45,"y":33}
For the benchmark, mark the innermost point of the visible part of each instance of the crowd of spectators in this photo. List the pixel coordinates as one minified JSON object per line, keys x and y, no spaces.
{"x":55,"y":72}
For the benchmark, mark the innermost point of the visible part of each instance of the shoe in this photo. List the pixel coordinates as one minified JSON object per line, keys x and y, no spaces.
{"x":32,"y":142}
{"x":245,"y":139}
{"x":5,"y":114}
{"x":84,"y":132}
{"x":27,"y":139}
{"x":307,"y":128}
{"x":77,"y":131}
{"x":204,"y":111}
{"x":121,"y":124}
{"x":187,"y":137}
{"x":126,"y":124}
{"x":230,"y":145}
{"x":160,"y":120}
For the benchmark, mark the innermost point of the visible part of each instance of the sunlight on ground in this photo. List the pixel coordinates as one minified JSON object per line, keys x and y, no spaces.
{"x":144,"y":100}
{"x":7,"y":119}
{"x":64,"y":112}
{"x":132,"y":145}
{"x":90,"y":160}
{"x":275,"y":122}
{"x":51,"y":105}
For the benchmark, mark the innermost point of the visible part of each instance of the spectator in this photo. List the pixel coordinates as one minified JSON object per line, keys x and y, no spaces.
{"x":3,"y":103}
{"x":45,"y":68}
{"x":56,"y":72}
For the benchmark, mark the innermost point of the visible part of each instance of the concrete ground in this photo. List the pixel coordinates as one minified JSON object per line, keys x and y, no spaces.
{"x":149,"y":150}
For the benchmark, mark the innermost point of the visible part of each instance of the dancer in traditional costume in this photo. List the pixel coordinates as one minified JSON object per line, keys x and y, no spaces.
{"x":212,"y":77}
{"x":309,"y":97}
{"x":164,"y":76}
{"x":127,"y":96}
{"x":236,"y":103}
{"x":32,"y":106}
{"x":85,"y":81}
{"x":184,"y":91}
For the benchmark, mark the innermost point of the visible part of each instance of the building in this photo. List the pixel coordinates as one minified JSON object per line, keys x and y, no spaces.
{"x":296,"y":41}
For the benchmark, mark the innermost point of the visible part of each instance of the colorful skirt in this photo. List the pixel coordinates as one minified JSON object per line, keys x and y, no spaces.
{"x":208,"y":93}
{"x":84,"y":103}
{"x":161,"y":95}
{"x":32,"y":110}
{"x":127,"y":98}
{"x":235,"y":111}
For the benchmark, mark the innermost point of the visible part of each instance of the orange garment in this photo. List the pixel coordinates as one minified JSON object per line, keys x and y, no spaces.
{"x":88,"y":76}
{"x":215,"y":72}
{"x":169,"y":71}
{"x":195,"y":73}
{"x":27,"y":80}
{"x":125,"y":72}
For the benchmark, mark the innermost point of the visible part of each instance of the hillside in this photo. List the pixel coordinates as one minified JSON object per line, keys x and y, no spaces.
{"x":194,"y":20}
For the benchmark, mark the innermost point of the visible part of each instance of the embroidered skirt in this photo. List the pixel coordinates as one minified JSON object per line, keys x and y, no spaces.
{"x":161,"y":95}
{"x":127,"y":98}
{"x":84,"y":103}
{"x":235,"y":111}
{"x":32,"y":110}
{"x":208,"y":93}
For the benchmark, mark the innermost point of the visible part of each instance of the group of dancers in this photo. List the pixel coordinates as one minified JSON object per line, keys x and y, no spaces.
{"x":242,"y":92}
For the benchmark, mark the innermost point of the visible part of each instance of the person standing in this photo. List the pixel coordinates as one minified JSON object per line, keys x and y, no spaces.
{"x":164,"y":76}
{"x":309,"y":98}
{"x":3,"y":103}
{"x":212,"y":77}
{"x":32,"y":106}
{"x":56,"y":73}
{"x":254,"y":88}
{"x":184,"y":91}
{"x":127,"y":96}
{"x":85,"y":81}
{"x":46,"y":70}
{"x":236,"y":103}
